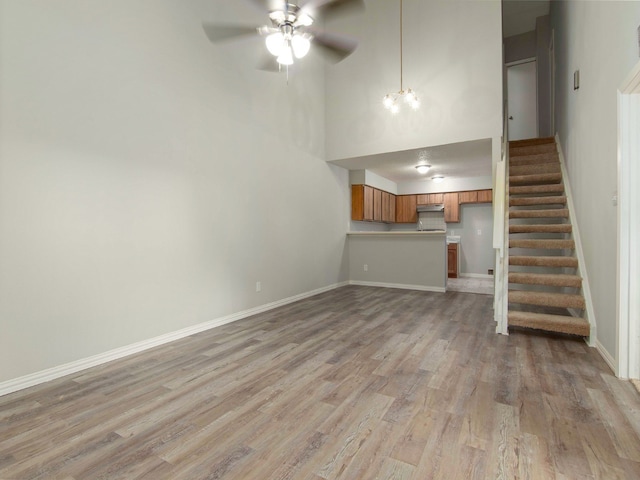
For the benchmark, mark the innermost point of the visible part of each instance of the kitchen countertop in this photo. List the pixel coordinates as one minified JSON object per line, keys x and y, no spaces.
{"x":408,"y":232}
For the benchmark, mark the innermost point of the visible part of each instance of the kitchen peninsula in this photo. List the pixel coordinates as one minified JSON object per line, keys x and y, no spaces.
{"x":399,"y":259}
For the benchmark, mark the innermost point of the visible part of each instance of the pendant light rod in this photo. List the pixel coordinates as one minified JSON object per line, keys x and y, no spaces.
{"x":401,"y":89}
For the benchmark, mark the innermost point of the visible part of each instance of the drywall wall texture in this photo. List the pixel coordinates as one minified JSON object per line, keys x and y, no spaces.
{"x":520,"y":47}
{"x":599,"y":39}
{"x":149,"y":179}
{"x":476,"y":254}
{"x":452,"y":59}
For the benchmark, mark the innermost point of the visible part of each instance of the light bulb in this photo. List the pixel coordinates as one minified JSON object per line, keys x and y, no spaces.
{"x":423,"y":168}
{"x":304,"y":20}
{"x":410,"y":97}
{"x":415,"y":104}
{"x":300,"y":45}
{"x":394,"y":108}
{"x":387,"y":101}
{"x":275,"y":43}
{"x":285,"y":58}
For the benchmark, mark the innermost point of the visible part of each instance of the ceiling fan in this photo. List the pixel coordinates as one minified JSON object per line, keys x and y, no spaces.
{"x":290,"y":30}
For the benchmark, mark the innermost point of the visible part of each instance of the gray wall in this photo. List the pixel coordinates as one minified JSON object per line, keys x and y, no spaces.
{"x":475,"y":253}
{"x":148,"y":179}
{"x":599,"y":39}
{"x":520,"y":47}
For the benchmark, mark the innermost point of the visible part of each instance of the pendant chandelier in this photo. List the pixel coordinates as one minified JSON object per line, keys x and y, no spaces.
{"x":392,"y":101}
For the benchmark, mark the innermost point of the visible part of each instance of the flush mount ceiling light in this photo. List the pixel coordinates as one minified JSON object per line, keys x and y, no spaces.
{"x":423,"y":168}
{"x":438,"y":179}
{"x":391,"y":101}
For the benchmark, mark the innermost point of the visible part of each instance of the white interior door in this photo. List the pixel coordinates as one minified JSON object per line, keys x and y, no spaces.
{"x":522,"y":95}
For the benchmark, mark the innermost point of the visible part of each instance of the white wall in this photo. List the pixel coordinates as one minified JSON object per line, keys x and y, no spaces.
{"x":452,"y":59}
{"x":148,"y":179}
{"x":599,"y":39}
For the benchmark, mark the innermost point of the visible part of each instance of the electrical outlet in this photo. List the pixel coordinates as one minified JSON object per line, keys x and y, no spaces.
{"x":366,"y":267}
{"x":258,"y":286}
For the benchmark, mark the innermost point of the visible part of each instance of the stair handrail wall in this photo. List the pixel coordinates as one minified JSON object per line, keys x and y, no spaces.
{"x":582,"y":271}
{"x":501,"y":231}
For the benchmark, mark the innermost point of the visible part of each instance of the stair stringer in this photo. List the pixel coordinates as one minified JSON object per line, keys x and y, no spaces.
{"x":578,"y":252}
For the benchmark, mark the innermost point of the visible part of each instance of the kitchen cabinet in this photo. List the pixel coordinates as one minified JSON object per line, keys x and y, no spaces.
{"x":388,"y":207}
{"x":369,"y":204}
{"x":451,"y":208}
{"x":485,"y":196}
{"x":377,"y":205}
{"x":422,"y":199}
{"x":406,"y":209}
{"x":436,"y":198}
{"x":452,"y":260}
{"x":361,"y":203}
{"x":468,"y":197}
{"x":429,"y":198}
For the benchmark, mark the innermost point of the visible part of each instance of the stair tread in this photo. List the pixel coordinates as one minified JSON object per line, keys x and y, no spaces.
{"x":551,"y":279}
{"x":543,"y":261}
{"x":549,"y":243}
{"x":541,"y":228}
{"x":534,"y":159}
{"x":534,"y":169}
{"x":548,"y":322}
{"x":552,"y":299}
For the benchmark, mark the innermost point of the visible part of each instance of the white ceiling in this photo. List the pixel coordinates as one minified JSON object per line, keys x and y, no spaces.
{"x":519,"y":16}
{"x":465,"y":159}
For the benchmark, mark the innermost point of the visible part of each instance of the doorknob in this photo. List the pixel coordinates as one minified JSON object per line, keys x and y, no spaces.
{"x":510,"y":117}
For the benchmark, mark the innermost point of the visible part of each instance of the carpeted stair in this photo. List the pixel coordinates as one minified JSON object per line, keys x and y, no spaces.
{"x":543,"y":279}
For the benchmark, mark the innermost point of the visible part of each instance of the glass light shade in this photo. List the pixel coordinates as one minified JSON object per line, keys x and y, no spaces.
{"x":438,"y":179}
{"x":286,"y":57}
{"x":304,"y":19}
{"x":423,"y":168}
{"x":387,"y":101}
{"x":300,"y":45}
{"x":410,"y":97}
{"x":415,"y":104}
{"x":394,"y":108}
{"x":275,"y":44}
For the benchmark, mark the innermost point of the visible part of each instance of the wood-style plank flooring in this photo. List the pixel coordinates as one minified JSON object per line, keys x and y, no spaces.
{"x":356,"y":383}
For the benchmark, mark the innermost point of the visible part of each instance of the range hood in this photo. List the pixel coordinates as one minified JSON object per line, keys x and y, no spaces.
{"x":436,"y":207}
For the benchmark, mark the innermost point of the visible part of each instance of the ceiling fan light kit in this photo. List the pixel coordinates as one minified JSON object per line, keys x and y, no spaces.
{"x":391,"y":101}
{"x":290,"y":33}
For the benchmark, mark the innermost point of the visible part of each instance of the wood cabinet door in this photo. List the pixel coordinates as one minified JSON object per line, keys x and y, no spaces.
{"x":357,"y":202}
{"x":485,"y":196}
{"x":406,"y":209}
{"x":377,"y":205}
{"x":368,"y":203}
{"x":452,"y":260}
{"x":436,"y":198}
{"x":451,"y":208}
{"x":392,"y":208}
{"x":422,"y":199}
{"x":468,"y":197}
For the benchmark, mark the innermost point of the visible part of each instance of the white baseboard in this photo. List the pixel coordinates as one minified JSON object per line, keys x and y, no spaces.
{"x":398,"y":285}
{"x":49,"y":374}
{"x":477,"y":275}
{"x":606,"y":356}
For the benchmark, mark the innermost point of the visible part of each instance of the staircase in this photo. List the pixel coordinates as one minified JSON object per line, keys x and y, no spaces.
{"x":545,"y":287}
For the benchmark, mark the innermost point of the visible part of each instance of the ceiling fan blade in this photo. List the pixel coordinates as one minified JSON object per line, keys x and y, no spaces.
{"x":333,"y":46}
{"x":224,"y":32}
{"x":332,"y":8}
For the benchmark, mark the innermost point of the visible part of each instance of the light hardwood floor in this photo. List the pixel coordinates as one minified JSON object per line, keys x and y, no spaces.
{"x":356,"y":383}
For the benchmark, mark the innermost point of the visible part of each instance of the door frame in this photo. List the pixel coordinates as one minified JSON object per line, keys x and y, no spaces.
{"x":628,"y":305}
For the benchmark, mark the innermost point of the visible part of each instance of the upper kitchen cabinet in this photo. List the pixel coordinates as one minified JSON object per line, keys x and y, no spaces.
{"x":485,"y":196}
{"x":406,"y":209}
{"x":451,"y":208}
{"x":429,"y":198}
{"x":468,"y":197}
{"x":369,"y":204}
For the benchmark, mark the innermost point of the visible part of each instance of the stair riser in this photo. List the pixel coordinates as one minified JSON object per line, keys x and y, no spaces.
{"x":541,"y":158}
{"x":549,"y":301}
{"x":532,"y":150}
{"x":539,"y":179}
{"x":534,"y":169}
{"x":559,"y":213}
{"x":554,"y":262}
{"x":560,"y":228}
{"x":543,"y":244}
{"x":526,"y":201}
{"x":571,"y":326}
{"x":524,"y":279}
{"x":532,"y":141}
{"x":536,"y":189}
